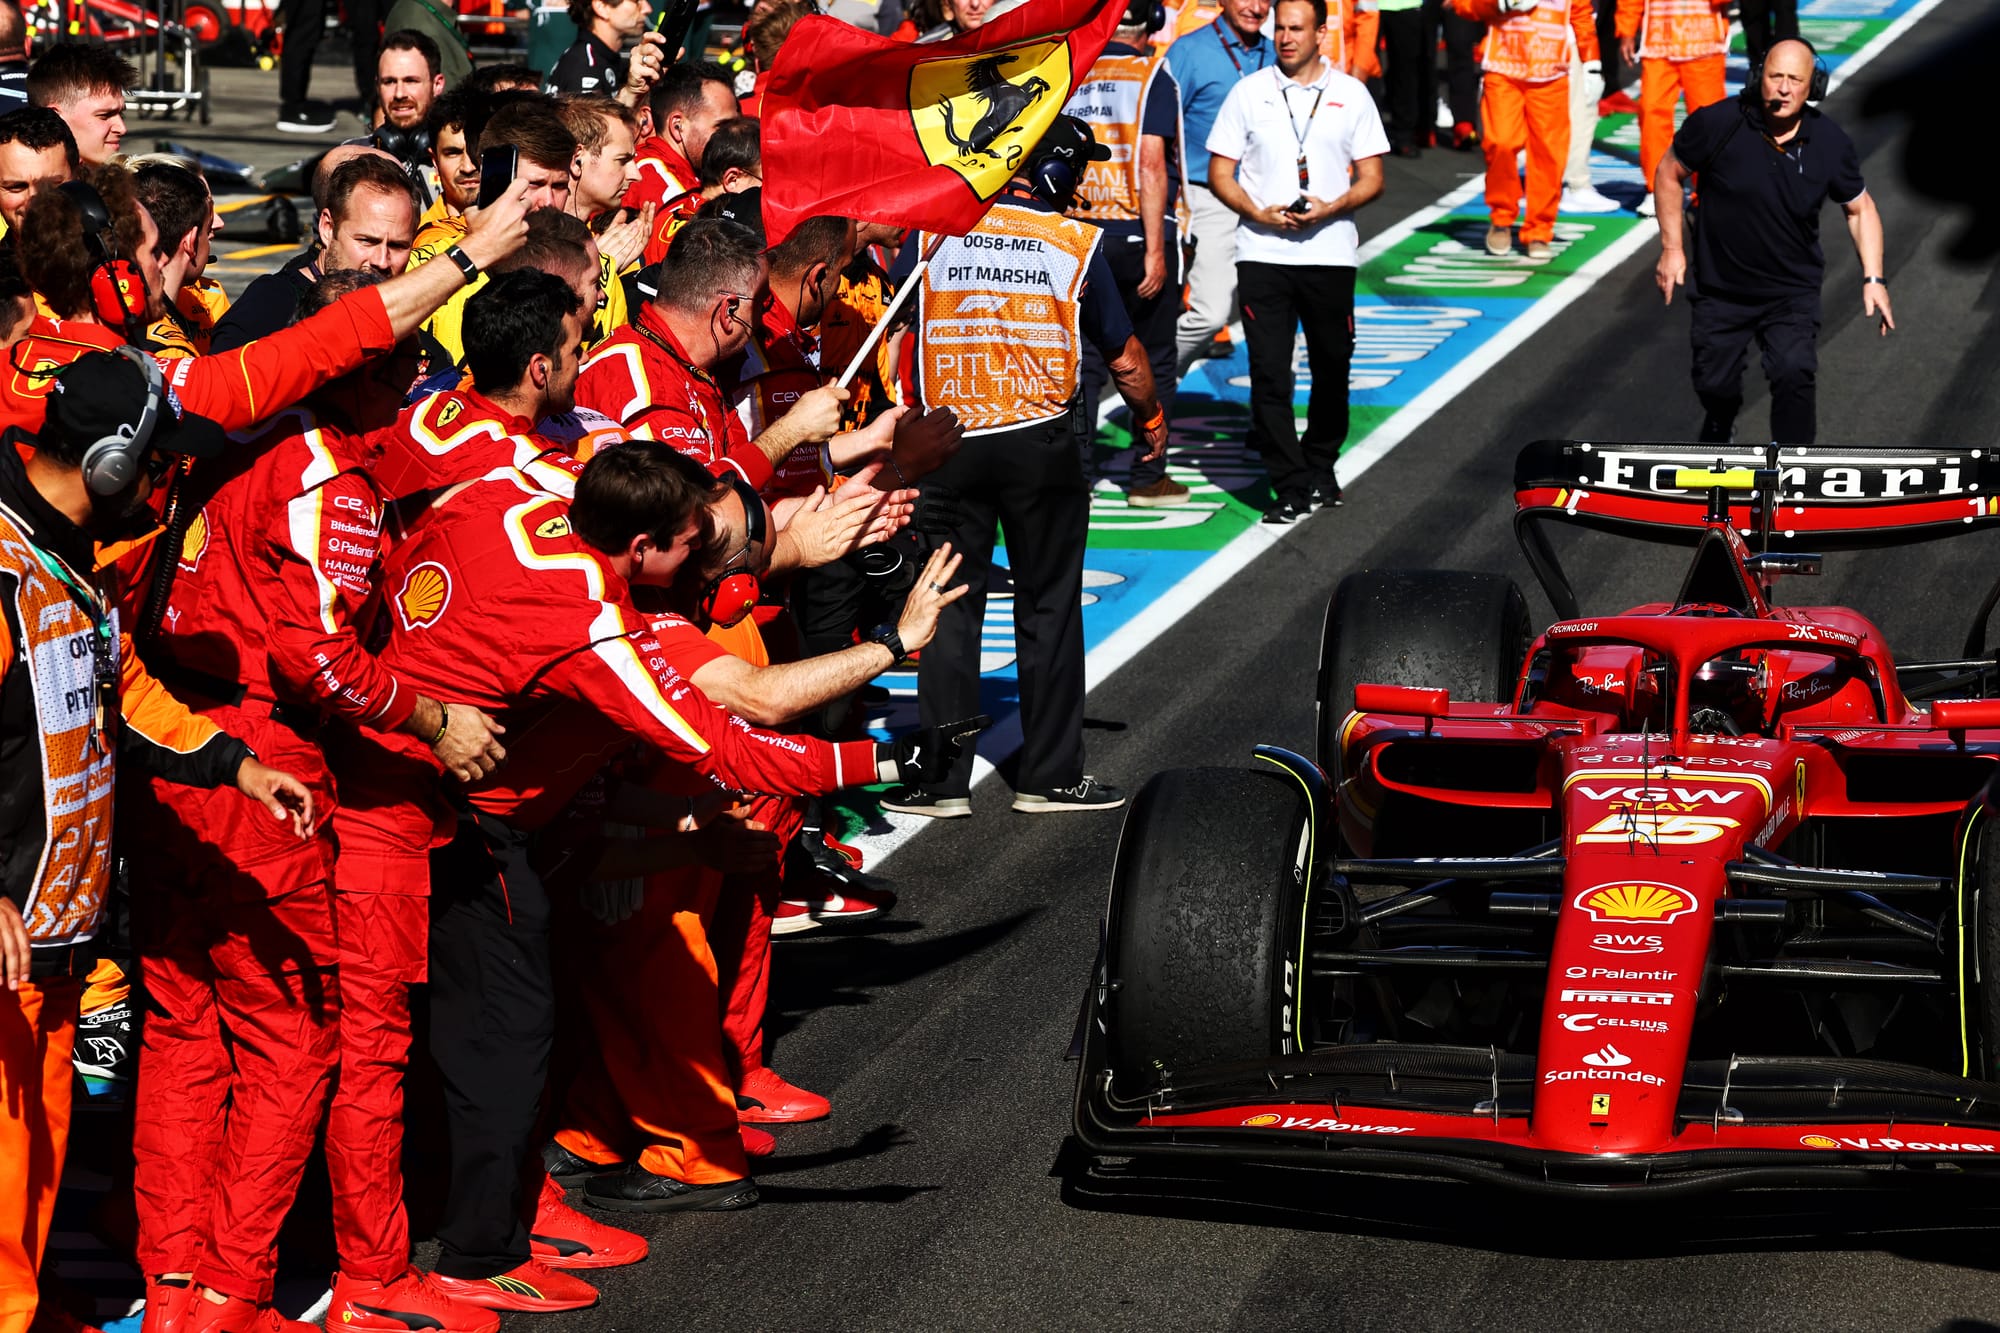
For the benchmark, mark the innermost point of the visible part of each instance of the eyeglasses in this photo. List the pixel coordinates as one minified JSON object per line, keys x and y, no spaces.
{"x":159,"y":464}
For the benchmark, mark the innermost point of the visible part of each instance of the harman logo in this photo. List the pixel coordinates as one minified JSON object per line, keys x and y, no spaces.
{"x":1636,"y":902}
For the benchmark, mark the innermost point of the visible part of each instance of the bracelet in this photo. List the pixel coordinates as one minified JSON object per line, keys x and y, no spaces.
{"x":463,"y":261}
{"x":1868,"y":278}
{"x":1154,"y":422}
{"x":898,"y":469}
{"x":444,"y":722}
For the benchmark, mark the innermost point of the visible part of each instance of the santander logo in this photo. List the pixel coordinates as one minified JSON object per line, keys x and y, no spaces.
{"x":1610,"y":1057}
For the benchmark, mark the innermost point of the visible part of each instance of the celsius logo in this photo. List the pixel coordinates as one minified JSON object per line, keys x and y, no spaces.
{"x":1608,"y":1058}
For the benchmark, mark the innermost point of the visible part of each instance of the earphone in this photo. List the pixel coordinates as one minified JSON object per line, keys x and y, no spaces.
{"x":1053,"y":181}
{"x":1155,"y":12}
{"x":1753,"y":87}
{"x":734,"y":593}
{"x":117,"y":292}
{"x":111,"y":463}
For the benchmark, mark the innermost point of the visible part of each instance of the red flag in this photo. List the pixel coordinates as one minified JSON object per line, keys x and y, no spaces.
{"x":864,"y":127}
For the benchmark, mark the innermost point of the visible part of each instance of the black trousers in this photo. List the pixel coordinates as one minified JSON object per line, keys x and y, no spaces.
{"x":1031,"y":480}
{"x":1787,"y":333}
{"x":1410,"y":37}
{"x":1153,"y":324}
{"x":1277,"y":299}
{"x":1461,"y":61}
{"x":1765,"y":22}
{"x":304,"y":22}
{"x":492,"y":1024}
{"x":364,"y":36}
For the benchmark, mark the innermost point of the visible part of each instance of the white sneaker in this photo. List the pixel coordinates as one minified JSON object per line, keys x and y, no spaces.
{"x":1587,"y":200}
{"x":1647,"y":208}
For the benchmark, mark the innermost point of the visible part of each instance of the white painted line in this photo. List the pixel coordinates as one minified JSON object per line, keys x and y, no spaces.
{"x":1131,"y":638}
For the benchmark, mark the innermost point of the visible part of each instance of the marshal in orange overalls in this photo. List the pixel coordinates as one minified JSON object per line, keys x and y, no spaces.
{"x":1683,"y":45}
{"x":1525,"y":103}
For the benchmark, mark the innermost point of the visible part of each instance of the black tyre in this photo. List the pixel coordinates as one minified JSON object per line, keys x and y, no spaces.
{"x":1205,"y":903}
{"x":1436,"y":628}
{"x":1974,"y":916}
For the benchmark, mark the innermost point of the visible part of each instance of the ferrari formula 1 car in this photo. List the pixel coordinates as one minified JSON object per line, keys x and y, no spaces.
{"x":1696,"y":895}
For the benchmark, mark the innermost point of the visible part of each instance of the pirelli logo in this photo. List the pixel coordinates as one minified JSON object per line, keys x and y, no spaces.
{"x":1618,"y":997}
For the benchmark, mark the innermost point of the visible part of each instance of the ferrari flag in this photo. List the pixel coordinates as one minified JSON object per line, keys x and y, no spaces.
{"x":918,"y":136}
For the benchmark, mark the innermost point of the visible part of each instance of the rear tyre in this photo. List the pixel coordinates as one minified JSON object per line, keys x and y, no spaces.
{"x":1976,"y":913}
{"x":1435,"y":628}
{"x":1205,"y":903}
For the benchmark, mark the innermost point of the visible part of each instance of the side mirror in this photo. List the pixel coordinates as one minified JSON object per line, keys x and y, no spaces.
{"x":1406,"y":700}
{"x":1959,"y":716}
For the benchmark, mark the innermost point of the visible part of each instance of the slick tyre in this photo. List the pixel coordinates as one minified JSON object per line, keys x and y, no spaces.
{"x":1976,"y":912}
{"x":1435,"y":628}
{"x":1204,"y":909}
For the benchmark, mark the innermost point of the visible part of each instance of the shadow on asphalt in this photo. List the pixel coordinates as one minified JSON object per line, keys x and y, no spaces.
{"x":832,"y":969}
{"x":1939,"y":1225}
{"x":873,"y":1143}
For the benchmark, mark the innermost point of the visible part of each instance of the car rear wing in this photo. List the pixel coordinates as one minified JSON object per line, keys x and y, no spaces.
{"x":1822,"y":498}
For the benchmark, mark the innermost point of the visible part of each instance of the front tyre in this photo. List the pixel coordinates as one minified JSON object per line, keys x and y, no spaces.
{"x":1204,"y":923}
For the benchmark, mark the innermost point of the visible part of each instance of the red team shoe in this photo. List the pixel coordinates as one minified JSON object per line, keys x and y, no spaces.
{"x":847,"y":853}
{"x":827,"y":900}
{"x":756,"y":1142}
{"x":564,"y":1238}
{"x":411,"y":1302}
{"x":238,"y":1316}
{"x":534,"y":1287}
{"x":765,"y":1099}
{"x":168,"y":1305}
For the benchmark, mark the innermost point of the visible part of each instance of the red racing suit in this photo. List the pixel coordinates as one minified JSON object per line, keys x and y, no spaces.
{"x":234,"y":389}
{"x":241,"y":1044}
{"x":455,"y":437}
{"x":642,"y":378}
{"x":497,"y":602}
{"x":664,"y":174}
{"x":780,"y":366}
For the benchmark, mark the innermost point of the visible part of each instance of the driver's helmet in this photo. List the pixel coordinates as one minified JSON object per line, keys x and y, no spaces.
{"x":1726,"y":696}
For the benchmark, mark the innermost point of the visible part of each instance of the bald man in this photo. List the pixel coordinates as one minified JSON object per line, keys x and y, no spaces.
{"x":1757,"y":267}
{"x":13,"y":57}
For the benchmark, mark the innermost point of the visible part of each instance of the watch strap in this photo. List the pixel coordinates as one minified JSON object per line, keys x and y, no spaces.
{"x":463,"y":261}
{"x":889,"y":637}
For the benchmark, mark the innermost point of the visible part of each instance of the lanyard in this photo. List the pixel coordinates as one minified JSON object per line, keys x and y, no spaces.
{"x":1223,"y":38}
{"x":1300,"y":134}
{"x":104,"y":674}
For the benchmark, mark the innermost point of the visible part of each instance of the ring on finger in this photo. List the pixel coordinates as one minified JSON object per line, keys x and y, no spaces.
{"x":938,"y":588}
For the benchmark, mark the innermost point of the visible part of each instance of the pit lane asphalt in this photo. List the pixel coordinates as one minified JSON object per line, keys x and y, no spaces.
{"x":927,"y":1200}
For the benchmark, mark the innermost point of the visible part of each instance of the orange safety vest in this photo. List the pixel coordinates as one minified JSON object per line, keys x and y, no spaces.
{"x":1111,"y":103}
{"x":1183,"y":19}
{"x":76,"y":746}
{"x":1000,"y":318}
{"x":1675,"y":30}
{"x":1532,"y":47}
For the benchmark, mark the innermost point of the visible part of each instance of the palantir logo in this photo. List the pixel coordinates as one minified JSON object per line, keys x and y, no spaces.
{"x":1608,"y":1058}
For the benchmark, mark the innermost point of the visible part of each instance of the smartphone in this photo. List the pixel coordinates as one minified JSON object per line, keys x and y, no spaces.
{"x":1299,"y":205}
{"x":676,"y":21}
{"x":496,"y":172}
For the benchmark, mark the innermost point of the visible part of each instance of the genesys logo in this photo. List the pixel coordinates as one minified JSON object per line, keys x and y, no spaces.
{"x":1824,"y":1141}
{"x":1592,"y":1022}
{"x":1324,"y":1125}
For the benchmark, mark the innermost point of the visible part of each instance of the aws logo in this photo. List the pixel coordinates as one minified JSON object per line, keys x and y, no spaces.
{"x":980,"y":115}
{"x":425,"y":593}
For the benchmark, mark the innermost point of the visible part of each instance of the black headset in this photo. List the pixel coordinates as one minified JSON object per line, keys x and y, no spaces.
{"x":116,"y":287}
{"x":111,"y":463}
{"x":1753,"y":87}
{"x":1153,"y":13}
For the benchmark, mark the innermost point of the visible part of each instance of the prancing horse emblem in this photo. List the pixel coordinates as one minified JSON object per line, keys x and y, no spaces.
{"x":1005,"y":104}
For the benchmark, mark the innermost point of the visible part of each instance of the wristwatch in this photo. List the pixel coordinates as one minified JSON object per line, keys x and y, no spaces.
{"x":464,"y":262}
{"x":887,"y":636}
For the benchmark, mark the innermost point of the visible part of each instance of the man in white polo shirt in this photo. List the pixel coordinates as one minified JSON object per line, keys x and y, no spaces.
{"x":1295,"y":150}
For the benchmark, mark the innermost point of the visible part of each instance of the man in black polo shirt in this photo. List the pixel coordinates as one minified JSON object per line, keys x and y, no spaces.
{"x":1766,"y":164}
{"x":593,"y":64}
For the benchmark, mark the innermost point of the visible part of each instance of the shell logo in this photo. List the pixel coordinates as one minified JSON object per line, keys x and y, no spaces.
{"x":1818,"y":1141}
{"x":426,"y":590}
{"x":1260,"y":1121}
{"x":1635,"y":902}
{"x":195,"y":542}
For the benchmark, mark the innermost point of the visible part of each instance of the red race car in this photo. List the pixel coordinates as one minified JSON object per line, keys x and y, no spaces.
{"x":1697,"y":895}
